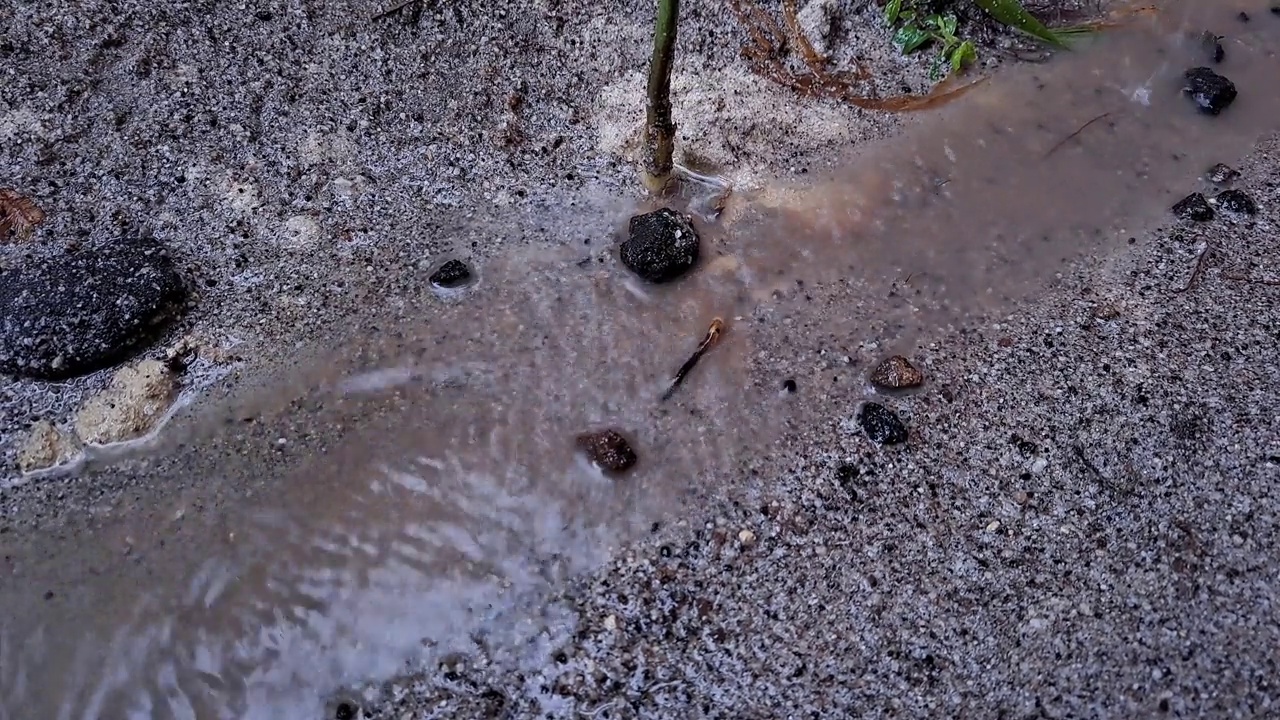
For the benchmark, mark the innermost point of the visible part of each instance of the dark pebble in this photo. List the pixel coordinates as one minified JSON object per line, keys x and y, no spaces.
{"x":1194,"y":207}
{"x":345,"y":711}
{"x":83,"y":311}
{"x":897,"y":372}
{"x":608,"y":449}
{"x":1222,"y":174}
{"x":1211,"y":91}
{"x":789,"y":385}
{"x":847,"y":475}
{"x":1212,"y":45}
{"x":1236,"y":201}
{"x":881,"y":424}
{"x":453,"y":274}
{"x":662,"y":246}
{"x":1243,"y":16}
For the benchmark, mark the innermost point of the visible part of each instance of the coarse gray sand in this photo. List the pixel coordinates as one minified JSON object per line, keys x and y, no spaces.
{"x":1082,"y":523}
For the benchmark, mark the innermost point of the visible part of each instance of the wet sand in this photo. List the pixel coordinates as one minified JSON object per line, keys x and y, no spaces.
{"x":406,"y":491}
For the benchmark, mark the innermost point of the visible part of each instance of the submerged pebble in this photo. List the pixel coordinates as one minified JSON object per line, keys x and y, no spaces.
{"x":1211,"y":92}
{"x":1212,"y":45}
{"x":1222,"y":174}
{"x":661,"y":245}
{"x":1236,"y":201}
{"x":881,"y":424}
{"x":453,"y":274}
{"x":608,"y":449}
{"x":1193,"y":207}
{"x":897,"y":372}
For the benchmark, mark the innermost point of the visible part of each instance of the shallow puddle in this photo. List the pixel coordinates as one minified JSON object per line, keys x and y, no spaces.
{"x":439,"y":495}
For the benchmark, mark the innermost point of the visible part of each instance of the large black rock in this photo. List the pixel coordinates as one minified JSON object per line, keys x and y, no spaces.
{"x":1211,"y":91}
{"x":83,"y":311}
{"x":662,"y":246}
{"x":1237,"y":201}
{"x":1194,"y":207}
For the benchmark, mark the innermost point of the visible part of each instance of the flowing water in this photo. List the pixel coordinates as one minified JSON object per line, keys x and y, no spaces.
{"x":434,"y":495}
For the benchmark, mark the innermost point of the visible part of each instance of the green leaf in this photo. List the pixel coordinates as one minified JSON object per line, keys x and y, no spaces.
{"x":962,"y":55}
{"x":947,"y":25}
{"x":910,"y":38}
{"x":891,"y":11}
{"x":1012,"y":14}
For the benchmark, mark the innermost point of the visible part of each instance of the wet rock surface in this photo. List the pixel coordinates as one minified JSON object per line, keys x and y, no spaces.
{"x":882,"y":425}
{"x":137,"y":398}
{"x":453,"y":274}
{"x":1222,"y":174}
{"x":1211,"y":92}
{"x":1194,"y":207}
{"x":608,"y":449}
{"x":1237,"y":202}
{"x":1212,"y":45}
{"x":661,"y":245}
{"x":45,"y":447}
{"x":82,"y":311}
{"x":896,"y":373}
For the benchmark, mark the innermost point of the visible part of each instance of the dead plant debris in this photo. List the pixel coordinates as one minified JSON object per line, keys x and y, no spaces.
{"x":765,"y":51}
{"x":1075,"y":134}
{"x":712,"y":336}
{"x":19,"y":215}
{"x":414,"y":10}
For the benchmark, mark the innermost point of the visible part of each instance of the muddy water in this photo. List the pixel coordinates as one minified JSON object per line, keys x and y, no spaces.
{"x":415,"y":489}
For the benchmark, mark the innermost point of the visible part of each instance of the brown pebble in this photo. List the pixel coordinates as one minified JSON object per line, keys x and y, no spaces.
{"x":897,"y":372}
{"x":1005,"y":342}
{"x":1021,"y":497}
{"x":608,"y":449}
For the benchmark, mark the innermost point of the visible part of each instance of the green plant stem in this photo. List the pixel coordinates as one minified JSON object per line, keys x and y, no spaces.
{"x":660,"y":128}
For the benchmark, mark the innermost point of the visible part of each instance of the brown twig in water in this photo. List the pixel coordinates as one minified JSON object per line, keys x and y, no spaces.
{"x":1073,"y":135}
{"x":1201,"y":261}
{"x":713,"y":335}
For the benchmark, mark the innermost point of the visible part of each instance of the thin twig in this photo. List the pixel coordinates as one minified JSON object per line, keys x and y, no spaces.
{"x":1068,"y":138}
{"x":396,"y":9}
{"x":1201,"y":261}
{"x":812,"y":58}
{"x":713,"y":334}
{"x":1078,"y":451}
{"x":1250,"y":279}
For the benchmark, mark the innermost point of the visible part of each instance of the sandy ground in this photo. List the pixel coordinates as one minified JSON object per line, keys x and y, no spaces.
{"x":1080,"y":525}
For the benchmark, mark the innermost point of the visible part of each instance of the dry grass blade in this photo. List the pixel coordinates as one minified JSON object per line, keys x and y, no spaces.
{"x":19,"y":215}
{"x":1114,"y":19}
{"x":1236,"y":277}
{"x":764,"y":51}
{"x":810,"y":54}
